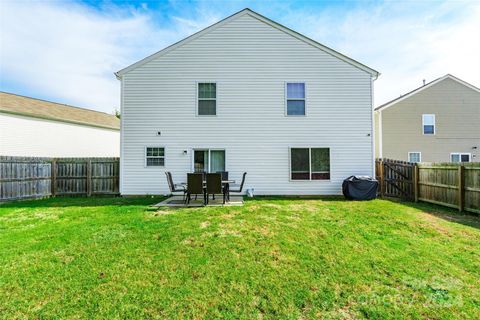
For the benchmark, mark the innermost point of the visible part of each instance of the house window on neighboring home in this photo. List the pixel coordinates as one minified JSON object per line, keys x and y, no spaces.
{"x":295,"y":93}
{"x":207,"y":99}
{"x":310,"y":163}
{"x":415,"y":157}
{"x":155,"y":156}
{"x":428,"y":122}
{"x":460,"y":157}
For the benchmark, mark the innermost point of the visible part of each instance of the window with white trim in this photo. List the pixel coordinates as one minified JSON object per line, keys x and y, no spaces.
{"x":154,"y":156}
{"x":207,"y":99}
{"x":310,"y":163}
{"x":428,"y":123}
{"x":208,"y":160}
{"x":415,"y":157}
{"x":460,"y":157}
{"x":295,"y":95}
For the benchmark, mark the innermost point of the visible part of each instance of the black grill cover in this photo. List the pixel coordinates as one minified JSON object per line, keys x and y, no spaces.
{"x":360,"y":188}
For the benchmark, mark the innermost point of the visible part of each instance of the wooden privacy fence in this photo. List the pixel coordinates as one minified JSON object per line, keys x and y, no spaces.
{"x":396,"y":178}
{"x":453,"y":185}
{"x":31,"y":177}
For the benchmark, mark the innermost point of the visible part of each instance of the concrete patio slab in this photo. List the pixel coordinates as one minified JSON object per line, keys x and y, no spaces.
{"x":177,"y":201}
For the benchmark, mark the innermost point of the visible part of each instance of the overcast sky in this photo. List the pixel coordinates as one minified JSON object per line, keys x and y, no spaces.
{"x":67,"y":51}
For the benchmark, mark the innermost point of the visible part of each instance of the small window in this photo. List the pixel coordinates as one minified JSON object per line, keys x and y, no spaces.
{"x":415,"y":157}
{"x":155,"y":157}
{"x":295,"y":99}
{"x":460,"y":157}
{"x":310,"y":163}
{"x":207,"y":99}
{"x":428,"y":121}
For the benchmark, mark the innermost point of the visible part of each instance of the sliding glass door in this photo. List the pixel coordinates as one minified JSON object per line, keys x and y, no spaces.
{"x":208,"y":160}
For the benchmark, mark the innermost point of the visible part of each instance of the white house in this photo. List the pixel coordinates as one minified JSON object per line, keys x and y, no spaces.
{"x":247,"y":95}
{"x":37,"y":128}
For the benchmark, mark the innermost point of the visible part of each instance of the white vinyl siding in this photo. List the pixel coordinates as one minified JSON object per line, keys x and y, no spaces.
{"x":34,"y":137}
{"x":250,"y":61}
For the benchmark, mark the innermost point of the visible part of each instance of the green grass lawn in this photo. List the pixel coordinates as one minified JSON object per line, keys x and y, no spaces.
{"x":273,"y":258}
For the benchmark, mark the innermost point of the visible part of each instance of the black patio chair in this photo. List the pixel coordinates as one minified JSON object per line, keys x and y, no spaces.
{"x":214,"y":186}
{"x":175,"y":187}
{"x":224,"y":175}
{"x":237,"y":188}
{"x":195,"y":186}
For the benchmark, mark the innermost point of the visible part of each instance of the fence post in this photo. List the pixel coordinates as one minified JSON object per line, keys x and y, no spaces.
{"x":382,"y":179}
{"x":53,"y":180}
{"x":416,"y":185}
{"x":89,"y":177}
{"x":461,"y":187}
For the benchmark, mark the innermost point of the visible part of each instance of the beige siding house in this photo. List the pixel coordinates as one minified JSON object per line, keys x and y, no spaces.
{"x":438,"y":122}
{"x":37,"y":128}
{"x":247,"y":95}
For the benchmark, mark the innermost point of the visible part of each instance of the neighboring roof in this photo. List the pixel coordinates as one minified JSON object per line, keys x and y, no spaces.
{"x":425,"y":86}
{"x":36,"y":108}
{"x":266,"y":20}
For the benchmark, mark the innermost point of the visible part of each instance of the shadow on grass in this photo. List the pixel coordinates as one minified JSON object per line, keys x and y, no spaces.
{"x":445,"y":213}
{"x":293,"y":198}
{"x":59,"y":202}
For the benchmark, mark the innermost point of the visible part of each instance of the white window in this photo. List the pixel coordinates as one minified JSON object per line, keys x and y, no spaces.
{"x":207,"y":99}
{"x":310,"y":163}
{"x":295,"y":95}
{"x":460,"y":157}
{"x":208,"y":160}
{"x":155,"y":156}
{"x":415,"y":157}
{"x":428,"y":123}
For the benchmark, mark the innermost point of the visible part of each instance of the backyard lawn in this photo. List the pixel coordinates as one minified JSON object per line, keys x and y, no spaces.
{"x":273,"y":258}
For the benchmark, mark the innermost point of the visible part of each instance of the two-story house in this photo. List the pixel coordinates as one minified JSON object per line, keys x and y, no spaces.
{"x":247,"y":95}
{"x":437,"y":122}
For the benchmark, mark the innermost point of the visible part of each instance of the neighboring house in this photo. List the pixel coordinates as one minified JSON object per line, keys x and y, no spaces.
{"x":438,"y":122}
{"x":247,"y":94}
{"x":37,"y":128}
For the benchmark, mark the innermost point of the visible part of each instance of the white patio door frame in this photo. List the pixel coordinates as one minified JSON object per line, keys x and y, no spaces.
{"x":209,"y":156}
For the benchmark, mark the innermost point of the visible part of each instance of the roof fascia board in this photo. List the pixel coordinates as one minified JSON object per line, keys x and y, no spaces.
{"x":29,"y":115}
{"x":264,"y":19}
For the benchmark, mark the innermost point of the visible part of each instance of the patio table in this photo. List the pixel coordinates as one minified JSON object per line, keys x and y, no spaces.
{"x":184,"y":184}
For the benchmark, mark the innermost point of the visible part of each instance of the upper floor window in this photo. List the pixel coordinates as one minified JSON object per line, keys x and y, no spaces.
{"x":460,"y":157}
{"x":295,"y":94}
{"x":154,"y":157}
{"x":207,"y":99}
{"x":428,"y":122}
{"x":415,"y":157}
{"x":310,"y":163}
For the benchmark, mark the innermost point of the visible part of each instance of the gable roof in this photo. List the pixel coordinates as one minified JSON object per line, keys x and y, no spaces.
{"x":36,"y":108}
{"x":425,"y":86}
{"x":266,"y":20}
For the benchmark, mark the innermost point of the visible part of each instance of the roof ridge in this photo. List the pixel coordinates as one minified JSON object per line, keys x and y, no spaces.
{"x":59,"y":103}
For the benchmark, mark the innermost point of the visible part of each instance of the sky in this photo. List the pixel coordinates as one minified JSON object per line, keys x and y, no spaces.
{"x":67,"y":51}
